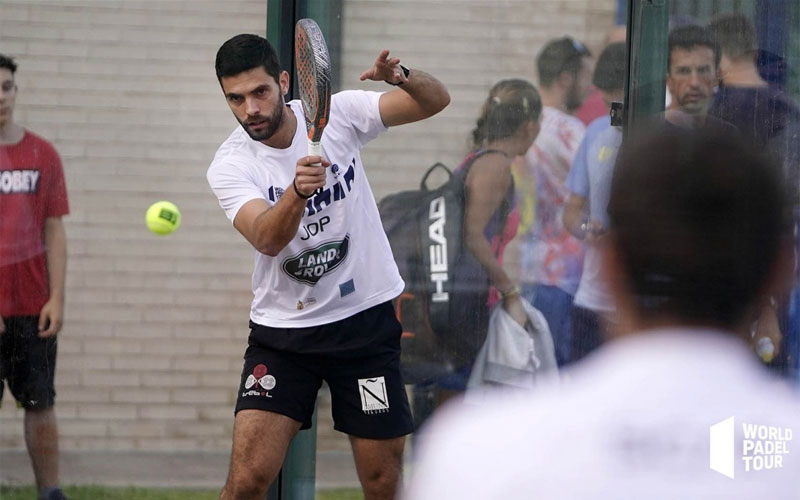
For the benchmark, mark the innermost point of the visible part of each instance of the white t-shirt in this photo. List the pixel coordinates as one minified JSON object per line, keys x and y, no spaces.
{"x":632,"y":422}
{"x":339,"y":262}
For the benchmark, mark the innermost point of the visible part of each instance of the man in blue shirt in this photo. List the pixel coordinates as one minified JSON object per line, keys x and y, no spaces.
{"x":585,"y":215}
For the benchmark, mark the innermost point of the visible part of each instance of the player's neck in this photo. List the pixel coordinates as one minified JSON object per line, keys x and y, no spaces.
{"x":10,"y":133}
{"x":283,"y":137}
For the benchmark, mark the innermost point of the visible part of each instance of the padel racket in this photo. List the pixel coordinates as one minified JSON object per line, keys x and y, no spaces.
{"x":313,"y":80}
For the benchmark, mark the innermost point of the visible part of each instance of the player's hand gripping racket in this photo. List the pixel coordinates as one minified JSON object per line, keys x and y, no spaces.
{"x":313,"y":80}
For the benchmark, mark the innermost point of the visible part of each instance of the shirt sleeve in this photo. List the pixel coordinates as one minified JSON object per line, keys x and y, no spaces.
{"x":56,"y":187}
{"x":578,"y":178}
{"x":233,"y":186}
{"x":361,"y":109}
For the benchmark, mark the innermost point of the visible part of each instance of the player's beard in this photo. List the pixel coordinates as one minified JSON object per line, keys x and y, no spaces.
{"x":274,"y":121}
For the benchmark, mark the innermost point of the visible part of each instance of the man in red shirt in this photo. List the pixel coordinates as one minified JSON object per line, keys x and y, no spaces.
{"x":33,"y":256}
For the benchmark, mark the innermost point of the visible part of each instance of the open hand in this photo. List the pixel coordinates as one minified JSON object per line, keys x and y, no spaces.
{"x":385,"y":68}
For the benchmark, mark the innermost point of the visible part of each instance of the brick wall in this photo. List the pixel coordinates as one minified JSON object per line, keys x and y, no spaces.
{"x":156,"y":326}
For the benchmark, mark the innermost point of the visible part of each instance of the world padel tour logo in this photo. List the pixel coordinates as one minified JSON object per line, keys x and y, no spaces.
{"x":763,"y":447}
{"x":314,"y":263}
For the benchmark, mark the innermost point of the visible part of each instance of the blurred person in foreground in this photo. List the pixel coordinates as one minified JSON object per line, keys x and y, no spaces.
{"x":506,"y":128}
{"x":324,"y":273}
{"x":586,"y":215}
{"x":33,"y":261}
{"x":697,"y":243}
{"x":550,"y":258}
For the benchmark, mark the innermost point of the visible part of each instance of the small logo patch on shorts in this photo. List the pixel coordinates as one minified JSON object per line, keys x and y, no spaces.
{"x":374,"y":398}
{"x":257,"y":381}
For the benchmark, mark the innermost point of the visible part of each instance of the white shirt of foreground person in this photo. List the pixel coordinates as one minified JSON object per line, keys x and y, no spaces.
{"x":633,"y":422}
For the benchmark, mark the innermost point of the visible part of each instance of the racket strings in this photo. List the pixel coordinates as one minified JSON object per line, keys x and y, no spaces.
{"x":313,"y":76}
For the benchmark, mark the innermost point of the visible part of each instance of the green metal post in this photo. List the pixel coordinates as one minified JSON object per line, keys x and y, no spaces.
{"x":645,"y":87}
{"x":296,"y":481}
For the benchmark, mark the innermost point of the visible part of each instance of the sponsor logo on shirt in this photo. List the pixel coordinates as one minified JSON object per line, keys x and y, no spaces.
{"x":311,"y":265}
{"x":259,"y":383}
{"x":374,"y":398}
{"x":347,"y":288}
{"x":314,"y":228}
{"x":19,"y":181}
{"x":328,"y":195}
{"x":763,"y":447}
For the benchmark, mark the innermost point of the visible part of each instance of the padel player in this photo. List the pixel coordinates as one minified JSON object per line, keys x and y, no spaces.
{"x":324,"y":272}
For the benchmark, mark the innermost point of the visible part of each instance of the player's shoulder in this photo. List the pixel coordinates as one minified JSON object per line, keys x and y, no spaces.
{"x":39,"y":142}
{"x":354,"y":99}
{"x":573,"y":123}
{"x":598,"y":125}
{"x":237,"y":147}
{"x":344,"y":96}
{"x":559,"y":118}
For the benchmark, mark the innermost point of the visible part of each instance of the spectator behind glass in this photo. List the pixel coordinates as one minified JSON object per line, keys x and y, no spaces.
{"x":745,"y":99}
{"x":508,"y":125}
{"x":691,"y":75}
{"x":549,"y":257}
{"x":770,"y":121}
{"x":692,"y":70}
{"x":585,"y":215}
{"x":33,"y":260}
{"x":697,"y":243}
{"x":593,"y":106}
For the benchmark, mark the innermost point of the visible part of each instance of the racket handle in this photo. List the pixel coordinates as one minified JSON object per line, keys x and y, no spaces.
{"x":315,"y":149}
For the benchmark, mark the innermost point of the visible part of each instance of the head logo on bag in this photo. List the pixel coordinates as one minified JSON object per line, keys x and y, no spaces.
{"x":425,"y":230}
{"x":437,"y":215}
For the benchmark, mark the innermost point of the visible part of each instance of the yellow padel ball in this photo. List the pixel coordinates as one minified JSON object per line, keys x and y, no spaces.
{"x":163,"y":217}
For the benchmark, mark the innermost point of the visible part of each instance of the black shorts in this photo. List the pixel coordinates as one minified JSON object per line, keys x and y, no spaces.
{"x":28,"y":363}
{"x":367,"y":393}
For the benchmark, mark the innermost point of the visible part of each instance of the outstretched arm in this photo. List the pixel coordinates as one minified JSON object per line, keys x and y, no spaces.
{"x":417,"y":97}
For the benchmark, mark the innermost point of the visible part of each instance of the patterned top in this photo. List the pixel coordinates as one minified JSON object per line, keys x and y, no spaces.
{"x":549,"y":254}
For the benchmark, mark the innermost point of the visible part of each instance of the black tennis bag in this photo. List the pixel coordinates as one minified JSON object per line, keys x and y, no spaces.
{"x":424,"y":228}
